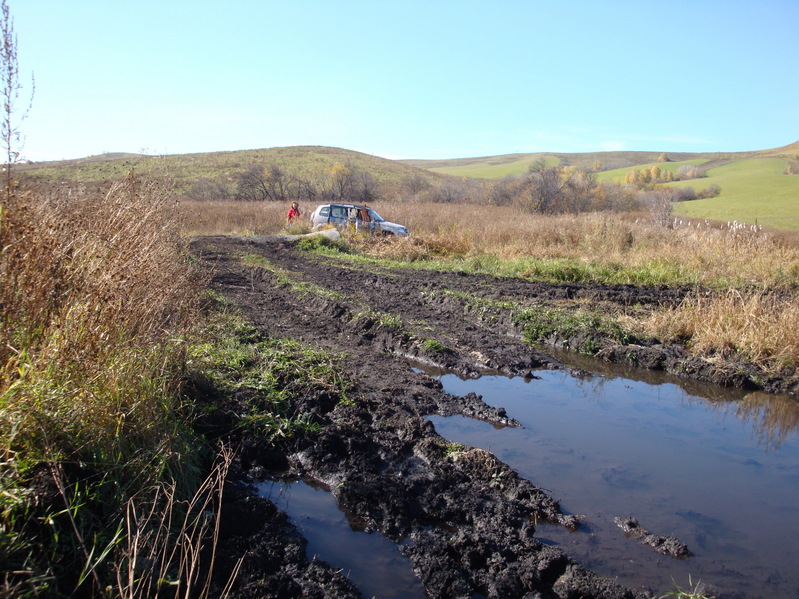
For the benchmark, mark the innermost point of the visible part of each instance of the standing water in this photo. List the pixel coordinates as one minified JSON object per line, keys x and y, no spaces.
{"x":369,"y":560}
{"x":717,"y":469}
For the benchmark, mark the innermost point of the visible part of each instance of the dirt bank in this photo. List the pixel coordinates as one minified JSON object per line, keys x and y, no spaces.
{"x":468,"y":521}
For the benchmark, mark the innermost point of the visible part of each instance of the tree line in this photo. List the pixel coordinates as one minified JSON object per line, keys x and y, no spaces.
{"x":274,"y":183}
{"x":543,"y":188}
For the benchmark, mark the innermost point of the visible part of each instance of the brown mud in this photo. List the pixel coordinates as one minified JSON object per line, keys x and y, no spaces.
{"x":467,"y":520}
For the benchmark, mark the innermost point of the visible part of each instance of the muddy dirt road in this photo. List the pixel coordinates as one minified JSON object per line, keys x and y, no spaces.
{"x":467,"y":520}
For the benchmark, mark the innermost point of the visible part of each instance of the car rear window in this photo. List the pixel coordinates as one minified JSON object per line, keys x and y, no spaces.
{"x":325,"y":211}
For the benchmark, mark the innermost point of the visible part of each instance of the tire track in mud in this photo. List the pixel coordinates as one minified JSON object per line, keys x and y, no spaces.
{"x":467,"y":520}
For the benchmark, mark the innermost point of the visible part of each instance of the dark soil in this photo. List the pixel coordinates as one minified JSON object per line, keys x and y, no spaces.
{"x":467,"y":519}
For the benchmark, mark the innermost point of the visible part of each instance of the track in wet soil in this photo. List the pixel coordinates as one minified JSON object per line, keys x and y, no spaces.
{"x":466,"y":520}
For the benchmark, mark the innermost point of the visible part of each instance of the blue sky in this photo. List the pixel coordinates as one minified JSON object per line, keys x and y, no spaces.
{"x":407,"y":79}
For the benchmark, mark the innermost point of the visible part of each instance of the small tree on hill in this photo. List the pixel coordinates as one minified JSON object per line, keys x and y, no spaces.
{"x":11,"y":87}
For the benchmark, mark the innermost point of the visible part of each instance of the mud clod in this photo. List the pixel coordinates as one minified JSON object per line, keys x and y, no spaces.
{"x":668,"y":546}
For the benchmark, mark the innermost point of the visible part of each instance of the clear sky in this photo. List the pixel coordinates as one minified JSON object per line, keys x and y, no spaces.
{"x":409,"y":78}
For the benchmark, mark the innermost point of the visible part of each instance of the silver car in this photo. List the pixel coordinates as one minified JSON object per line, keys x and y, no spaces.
{"x":359,"y":216}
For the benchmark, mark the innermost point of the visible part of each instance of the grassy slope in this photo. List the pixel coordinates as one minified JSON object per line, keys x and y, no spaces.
{"x":492,"y":167}
{"x":186,"y":169}
{"x":752,"y":191}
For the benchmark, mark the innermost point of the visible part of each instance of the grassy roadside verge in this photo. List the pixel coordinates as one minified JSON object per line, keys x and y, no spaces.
{"x":113,"y":446}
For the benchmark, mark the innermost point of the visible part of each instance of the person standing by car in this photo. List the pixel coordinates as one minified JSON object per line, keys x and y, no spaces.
{"x":362,"y":219}
{"x":293,"y":214}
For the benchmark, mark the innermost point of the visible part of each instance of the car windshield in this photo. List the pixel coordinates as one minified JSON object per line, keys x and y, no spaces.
{"x":375,"y":216}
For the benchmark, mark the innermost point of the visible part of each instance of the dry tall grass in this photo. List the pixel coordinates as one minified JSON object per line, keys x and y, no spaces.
{"x":92,"y":290}
{"x":234,"y":218}
{"x":95,"y":292}
{"x":757,"y":324}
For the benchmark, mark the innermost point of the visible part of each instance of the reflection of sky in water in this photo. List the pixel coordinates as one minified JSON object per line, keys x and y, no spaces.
{"x":372,"y":562}
{"x":719,"y":472}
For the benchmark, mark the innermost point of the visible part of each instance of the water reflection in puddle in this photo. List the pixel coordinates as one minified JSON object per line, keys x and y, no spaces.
{"x":715,"y":468}
{"x":371,"y":561}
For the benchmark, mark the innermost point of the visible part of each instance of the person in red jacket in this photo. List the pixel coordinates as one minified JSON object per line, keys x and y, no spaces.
{"x":293,"y":213}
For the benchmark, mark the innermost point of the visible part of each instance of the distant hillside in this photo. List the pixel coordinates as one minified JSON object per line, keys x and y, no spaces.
{"x":492,"y":167}
{"x":184,"y":170}
{"x":753,"y":190}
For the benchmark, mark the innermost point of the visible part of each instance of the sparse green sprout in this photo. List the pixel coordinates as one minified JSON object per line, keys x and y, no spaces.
{"x":431,"y":345}
{"x":452,"y":449}
{"x":695,"y":591}
{"x":389,"y":321}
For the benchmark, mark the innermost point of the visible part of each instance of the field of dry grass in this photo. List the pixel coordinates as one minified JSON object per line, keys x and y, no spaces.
{"x":630,"y":245}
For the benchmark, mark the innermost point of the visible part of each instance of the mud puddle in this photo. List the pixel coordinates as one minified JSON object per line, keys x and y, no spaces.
{"x":372,"y":562}
{"x":715,"y":468}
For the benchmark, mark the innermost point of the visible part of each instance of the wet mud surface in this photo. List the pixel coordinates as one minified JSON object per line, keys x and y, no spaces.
{"x":466,"y":520}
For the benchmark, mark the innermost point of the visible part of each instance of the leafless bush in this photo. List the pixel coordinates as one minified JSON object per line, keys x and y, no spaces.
{"x":451,"y":191}
{"x":413,"y":187}
{"x":209,"y":190}
{"x":660,"y":206}
{"x":711,"y":191}
{"x":690,"y":171}
{"x":682,"y":194}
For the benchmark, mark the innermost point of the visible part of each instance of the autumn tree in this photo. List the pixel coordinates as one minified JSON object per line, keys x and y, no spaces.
{"x":365,"y":188}
{"x":208,"y":190}
{"x":414,"y":185}
{"x":655,"y":173}
{"x":341,"y":181}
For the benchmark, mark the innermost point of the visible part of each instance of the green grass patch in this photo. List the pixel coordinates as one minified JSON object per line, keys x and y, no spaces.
{"x":265,"y":375}
{"x":753,"y":191}
{"x":431,"y":345}
{"x":289,"y":279}
{"x":556,"y":270}
{"x":323,"y":244}
{"x":579,"y":329}
{"x":489,"y":170}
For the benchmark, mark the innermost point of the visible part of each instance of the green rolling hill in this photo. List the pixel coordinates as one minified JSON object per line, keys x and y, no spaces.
{"x":754,"y":186}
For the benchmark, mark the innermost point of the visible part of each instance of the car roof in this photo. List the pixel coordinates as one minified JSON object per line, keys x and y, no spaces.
{"x":344,"y":205}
